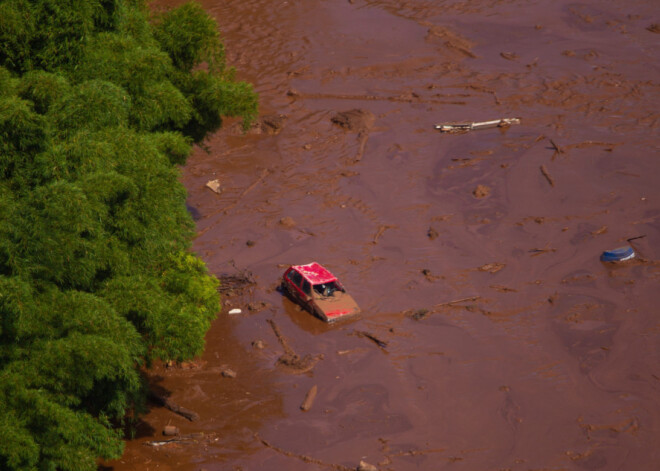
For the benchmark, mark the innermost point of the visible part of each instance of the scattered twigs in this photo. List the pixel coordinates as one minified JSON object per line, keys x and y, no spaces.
{"x":233,"y":283}
{"x":635,"y":238}
{"x":407,"y":98}
{"x":546,"y":174}
{"x":169,"y":404}
{"x":304,"y":458}
{"x":381,"y":343}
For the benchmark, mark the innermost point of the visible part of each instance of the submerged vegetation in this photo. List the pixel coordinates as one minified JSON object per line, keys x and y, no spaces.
{"x":99,"y":103}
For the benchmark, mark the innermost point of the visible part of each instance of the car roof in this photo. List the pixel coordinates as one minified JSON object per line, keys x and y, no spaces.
{"x":315,"y":273}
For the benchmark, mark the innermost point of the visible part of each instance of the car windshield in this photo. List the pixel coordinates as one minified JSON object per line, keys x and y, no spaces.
{"x":326,"y":289}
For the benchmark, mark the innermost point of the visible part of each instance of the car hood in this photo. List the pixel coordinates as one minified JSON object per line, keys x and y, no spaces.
{"x":338,"y":305}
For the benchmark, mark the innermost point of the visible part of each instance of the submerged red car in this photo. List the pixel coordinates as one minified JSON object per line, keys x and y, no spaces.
{"x":319,"y":291}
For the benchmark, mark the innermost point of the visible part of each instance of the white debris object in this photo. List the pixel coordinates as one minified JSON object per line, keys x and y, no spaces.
{"x":214,"y":185}
{"x":464,"y":127}
{"x":235,"y":311}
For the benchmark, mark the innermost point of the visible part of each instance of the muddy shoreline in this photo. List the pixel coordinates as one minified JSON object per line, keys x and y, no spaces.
{"x":474,"y":256}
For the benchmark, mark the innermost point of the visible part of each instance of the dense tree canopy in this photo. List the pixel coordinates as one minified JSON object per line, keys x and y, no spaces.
{"x":99,"y":103}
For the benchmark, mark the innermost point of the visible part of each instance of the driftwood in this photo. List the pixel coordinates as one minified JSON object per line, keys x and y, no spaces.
{"x":262,"y":176}
{"x":177,"y":409}
{"x":189,"y":438}
{"x":290,"y":359}
{"x":558,"y":150}
{"x":465,"y":127}
{"x":539,"y":251}
{"x":280,"y":338}
{"x":381,"y":343}
{"x":420,"y":314}
{"x":380,"y":232}
{"x":309,"y":399}
{"x":456,"y":301}
{"x":547,"y":175}
{"x":304,"y":458}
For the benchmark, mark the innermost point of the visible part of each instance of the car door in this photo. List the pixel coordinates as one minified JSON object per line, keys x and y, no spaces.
{"x":307,"y":294}
{"x":294,"y":282}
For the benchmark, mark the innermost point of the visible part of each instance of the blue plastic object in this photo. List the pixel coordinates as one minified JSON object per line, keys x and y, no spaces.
{"x":618,"y":255}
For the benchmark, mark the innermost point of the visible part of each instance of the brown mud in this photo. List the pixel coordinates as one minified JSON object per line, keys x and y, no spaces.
{"x":505,"y":344}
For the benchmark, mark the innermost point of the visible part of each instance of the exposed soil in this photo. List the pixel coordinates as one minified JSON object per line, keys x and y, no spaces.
{"x":491,"y":337}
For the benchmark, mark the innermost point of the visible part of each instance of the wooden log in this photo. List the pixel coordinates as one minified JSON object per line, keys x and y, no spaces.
{"x":309,"y":399}
{"x":546,"y":174}
{"x":177,"y":409}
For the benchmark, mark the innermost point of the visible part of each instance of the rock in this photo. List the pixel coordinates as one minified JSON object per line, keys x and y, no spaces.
{"x":170,"y":430}
{"x":250,"y":243}
{"x":420,"y":314}
{"x":287,"y":222}
{"x":227,"y":372}
{"x":355,"y":120}
{"x":273,"y":124}
{"x":259,"y":344}
{"x":510,"y":56}
{"x":654,"y":28}
{"x":364,"y":466}
{"x":492,"y":267}
{"x":432,"y":233}
{"x":214,"y":185}
{"x":481,"y":191}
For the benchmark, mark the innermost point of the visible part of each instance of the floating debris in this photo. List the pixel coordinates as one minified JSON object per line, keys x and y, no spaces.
{"x":309,"y":399}
{"x":620,"y":254}
{"x":464,"y":127}
{"x":227,"y":372}
{"x":170,"y":430}
{"x":214,"y":185}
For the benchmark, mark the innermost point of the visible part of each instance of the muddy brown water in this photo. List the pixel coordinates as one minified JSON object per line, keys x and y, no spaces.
{"x":550,"y":359}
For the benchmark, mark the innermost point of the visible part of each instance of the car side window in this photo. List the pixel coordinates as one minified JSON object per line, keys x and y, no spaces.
{"x":295,"y":277}
{"x":307,"y":288}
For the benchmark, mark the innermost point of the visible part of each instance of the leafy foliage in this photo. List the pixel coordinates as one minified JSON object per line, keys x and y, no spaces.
{"x":99,"y":103}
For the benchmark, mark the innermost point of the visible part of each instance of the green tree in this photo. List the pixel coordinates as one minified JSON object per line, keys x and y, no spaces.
{"x":99,"y":104}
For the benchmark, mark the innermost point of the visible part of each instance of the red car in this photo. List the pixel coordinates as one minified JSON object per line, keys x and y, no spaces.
{"x":318,"y":290}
